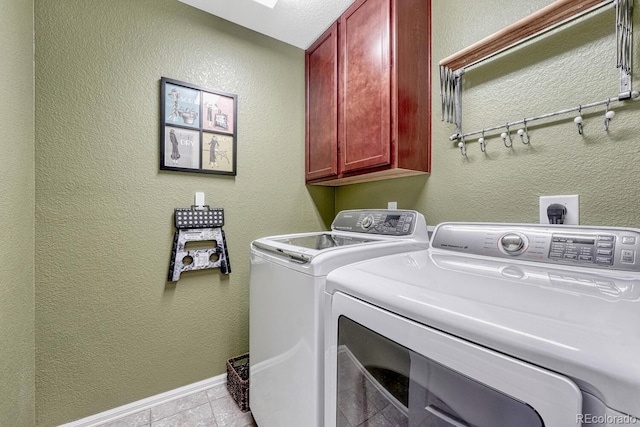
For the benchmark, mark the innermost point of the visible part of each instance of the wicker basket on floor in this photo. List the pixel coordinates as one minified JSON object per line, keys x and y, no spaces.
{"x":238,"y":380}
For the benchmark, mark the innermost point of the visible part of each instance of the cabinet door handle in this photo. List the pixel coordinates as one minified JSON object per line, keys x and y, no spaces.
{"x":446,"y":417}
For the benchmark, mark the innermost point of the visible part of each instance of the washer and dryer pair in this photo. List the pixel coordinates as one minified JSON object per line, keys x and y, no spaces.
{"x":492,"y":325}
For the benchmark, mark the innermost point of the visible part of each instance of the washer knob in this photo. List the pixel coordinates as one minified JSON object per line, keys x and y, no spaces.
{"x":513,"y":243}
{"x":367,"y":222}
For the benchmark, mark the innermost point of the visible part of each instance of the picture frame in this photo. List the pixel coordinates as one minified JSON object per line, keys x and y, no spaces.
{"x":198,"y":129}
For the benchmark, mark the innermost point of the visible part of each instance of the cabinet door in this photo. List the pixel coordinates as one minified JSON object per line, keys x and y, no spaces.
{"x":322,"y":106}
{"x":365,"y":85}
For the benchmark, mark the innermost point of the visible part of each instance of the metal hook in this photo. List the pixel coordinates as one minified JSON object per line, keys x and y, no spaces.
{"x":578,"y":120}
{"x":608,"y":115}
{"x":463,"y":147}
{"x":483,"y":146}
{"x":506,"y":135}
{"x":523,"y":132}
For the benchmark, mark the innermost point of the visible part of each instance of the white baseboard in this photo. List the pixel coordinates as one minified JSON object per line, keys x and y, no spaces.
{"x":140,"y":405}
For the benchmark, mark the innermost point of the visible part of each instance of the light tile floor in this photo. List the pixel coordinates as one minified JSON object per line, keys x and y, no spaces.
{"x":213,"y":407}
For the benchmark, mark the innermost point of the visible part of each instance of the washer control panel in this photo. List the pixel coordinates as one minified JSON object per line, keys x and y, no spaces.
{"x":598,"y":248}
{"x":377,"y":221}
{"x":612,"y":247}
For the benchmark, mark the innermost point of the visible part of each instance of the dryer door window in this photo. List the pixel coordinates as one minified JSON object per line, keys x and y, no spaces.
{"x":386,"y":384}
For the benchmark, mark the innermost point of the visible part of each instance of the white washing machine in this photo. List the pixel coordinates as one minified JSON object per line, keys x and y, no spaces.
{"x":494,"y":325}
{"x":287,"y":306}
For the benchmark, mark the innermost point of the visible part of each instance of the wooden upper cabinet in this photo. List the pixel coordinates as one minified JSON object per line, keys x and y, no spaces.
{"x":322,"y":106}
{"x":364,"y":118}
{"x":368,"y":94}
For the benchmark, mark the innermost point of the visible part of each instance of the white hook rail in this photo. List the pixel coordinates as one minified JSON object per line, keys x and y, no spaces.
{"x":558,"y":13}
{"x":622,"y":97}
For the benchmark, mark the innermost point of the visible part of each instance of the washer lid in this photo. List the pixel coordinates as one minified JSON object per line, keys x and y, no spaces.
{"x":322,"y":240}
{"x":319,"y":262}
{"x":355,"y":235}
{"x":306,"y":247}
{"x":583,"y":323}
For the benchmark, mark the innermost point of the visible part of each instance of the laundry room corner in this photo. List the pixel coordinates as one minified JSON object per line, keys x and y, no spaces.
{"x":324,"y":199}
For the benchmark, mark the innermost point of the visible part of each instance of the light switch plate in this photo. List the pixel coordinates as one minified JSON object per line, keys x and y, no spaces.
{"x":199,"y":199}
{"x":571,"y":202}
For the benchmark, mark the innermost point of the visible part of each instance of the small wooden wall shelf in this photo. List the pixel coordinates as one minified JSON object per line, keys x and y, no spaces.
{"x":546,"y":18}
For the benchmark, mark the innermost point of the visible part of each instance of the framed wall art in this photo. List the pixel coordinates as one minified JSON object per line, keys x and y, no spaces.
{"x":197,"y":129}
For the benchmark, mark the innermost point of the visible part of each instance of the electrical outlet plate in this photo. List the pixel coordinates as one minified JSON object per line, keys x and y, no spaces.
{"x":572,"y":203}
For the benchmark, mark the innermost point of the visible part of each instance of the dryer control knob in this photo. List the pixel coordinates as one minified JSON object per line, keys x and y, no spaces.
{"x":513,"y":243}
{"x":367,"y":222}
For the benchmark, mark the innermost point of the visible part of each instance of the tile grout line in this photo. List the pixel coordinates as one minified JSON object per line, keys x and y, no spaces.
{"x":188,"y":398}
{"x":215,"y":419}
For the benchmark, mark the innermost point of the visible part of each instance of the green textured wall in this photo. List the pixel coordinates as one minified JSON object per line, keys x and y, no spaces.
{"x":110,"y":329}
{"x":573,"y":66}
{"x":17,"y":367}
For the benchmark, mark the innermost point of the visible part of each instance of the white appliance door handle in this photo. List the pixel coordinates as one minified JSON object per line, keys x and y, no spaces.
{"x":291,"y":254}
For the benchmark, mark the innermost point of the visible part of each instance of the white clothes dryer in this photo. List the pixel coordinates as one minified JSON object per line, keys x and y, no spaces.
{"x":509,"y":325}
{"x":287,"y":283}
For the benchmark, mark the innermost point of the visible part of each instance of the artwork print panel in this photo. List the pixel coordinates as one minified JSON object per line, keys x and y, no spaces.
{"x":182,"y":106}
{"x":218,"y":113}
{"x":181,"y":148}
{"x":217,"y":152}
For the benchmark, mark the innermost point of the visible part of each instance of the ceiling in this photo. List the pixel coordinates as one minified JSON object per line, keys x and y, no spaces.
{"x":296,"y":22}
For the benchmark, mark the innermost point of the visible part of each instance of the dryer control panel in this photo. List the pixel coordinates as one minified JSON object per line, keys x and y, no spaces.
{"x":608,"y":247}
{"x":388,"y":222}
